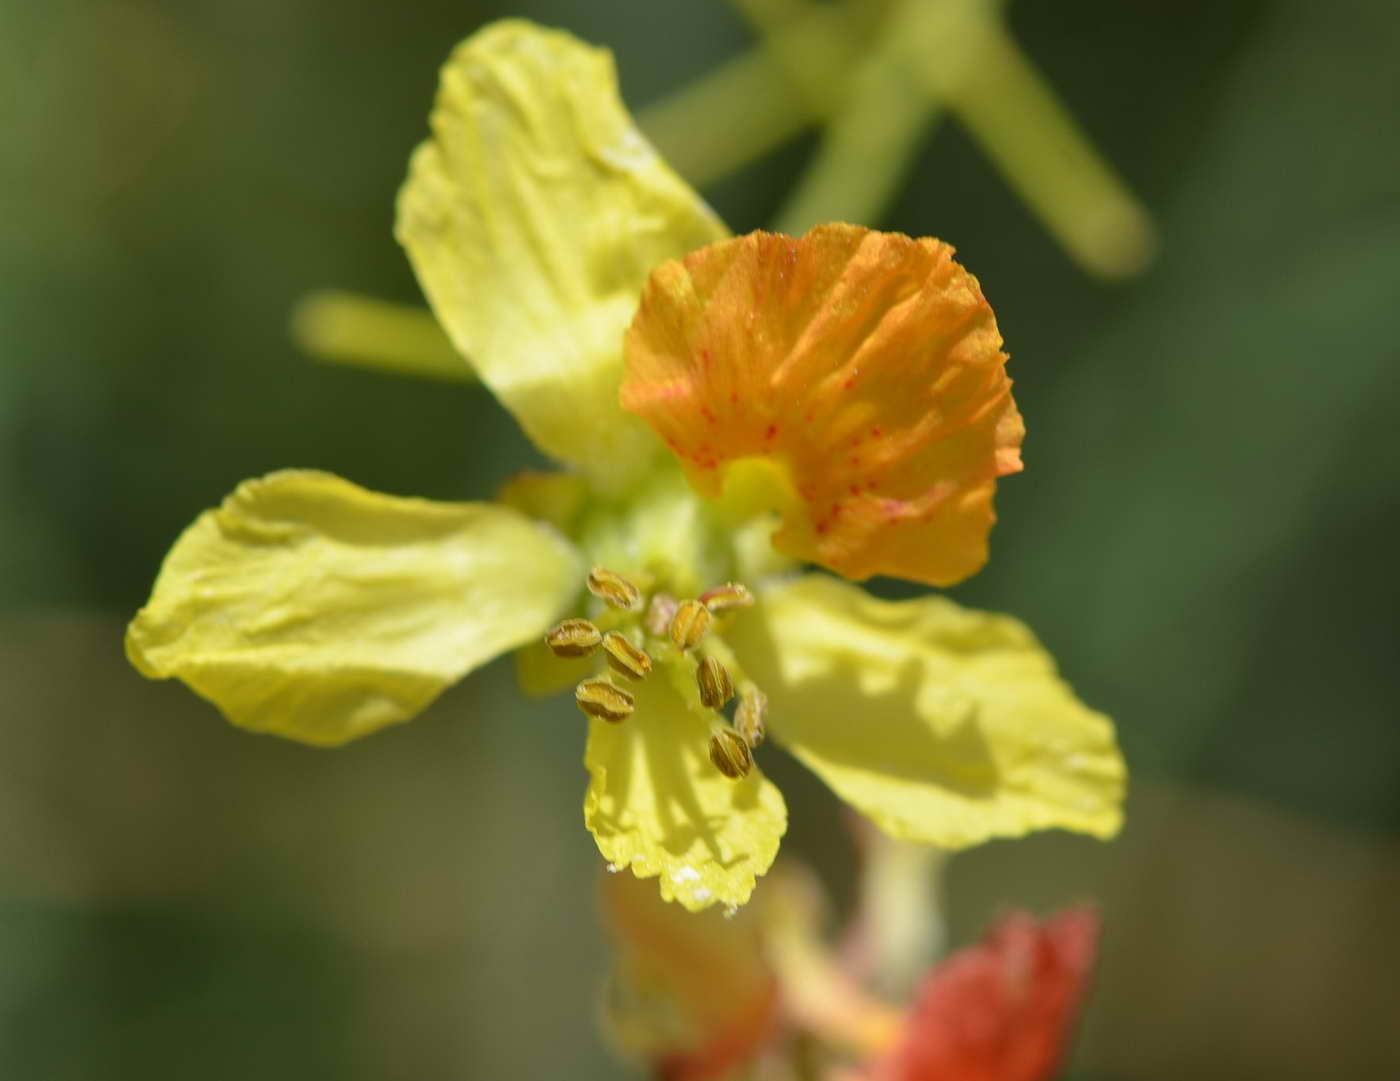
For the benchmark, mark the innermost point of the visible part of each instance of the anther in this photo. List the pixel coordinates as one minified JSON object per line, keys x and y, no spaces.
{"x":716,"y":688}
{"x":660,"y":612}
{"x":723,"y":598}
{"x":614,"y":589}
{"x":573,"y":638}
{"x":689,"y":624}
{"x":624,"y":657}
{"x":730,"y":754}
{"x":601,"y":699}
{"x":750,"y":718}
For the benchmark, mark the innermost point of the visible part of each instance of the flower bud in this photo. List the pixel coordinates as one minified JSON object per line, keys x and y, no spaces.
{"x":624,"y":657}
{"x":730,"y":754}
{"x":750,"y":719}
{"x":573,"y":638}
{"x":723,"y":598}
{"x":660,"y":612}
{"x":616,"y":590}
{"x":601,"y":699}
{"x":689,"y":624}
{"x":716,"y":688}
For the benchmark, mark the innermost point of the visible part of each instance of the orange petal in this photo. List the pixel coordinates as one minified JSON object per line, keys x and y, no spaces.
{"x":863,"y":369}
{"x":1001,"y":1010}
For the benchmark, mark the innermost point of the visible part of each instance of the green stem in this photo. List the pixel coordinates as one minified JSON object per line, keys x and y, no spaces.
{"x":726,"y":119}
{"x":1010,"y":110}
{"x":866,"y":149}
{"x":749,"y":105}
{"x":347,"y":328}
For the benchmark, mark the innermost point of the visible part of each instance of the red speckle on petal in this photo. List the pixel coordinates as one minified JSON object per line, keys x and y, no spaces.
{"x":820,"y":312}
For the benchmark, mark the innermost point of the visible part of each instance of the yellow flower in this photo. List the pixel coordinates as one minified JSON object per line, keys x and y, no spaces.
{"x":537,"y":218}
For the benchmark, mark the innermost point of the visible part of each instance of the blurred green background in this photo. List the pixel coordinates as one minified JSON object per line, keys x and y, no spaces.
{"x":1205,"y":537}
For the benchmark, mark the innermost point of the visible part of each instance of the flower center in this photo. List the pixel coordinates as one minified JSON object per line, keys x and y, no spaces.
{"x":639,"y":629}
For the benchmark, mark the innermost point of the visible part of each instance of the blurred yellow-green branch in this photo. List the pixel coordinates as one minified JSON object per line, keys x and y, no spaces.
{"x":868,"y":142}
{"x":1010,"y":110}
{"x":349,"y":328}
{"x":876,"y":74}
{"x":747,"y":106}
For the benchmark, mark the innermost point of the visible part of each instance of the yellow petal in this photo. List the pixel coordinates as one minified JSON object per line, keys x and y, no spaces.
{"x":556,"y":498}
{"x":656,"y":804}
{"x":311,"y":608}
{"x":854,"y":378}
{"x":942,"y":724}
{"x":532,"y":217}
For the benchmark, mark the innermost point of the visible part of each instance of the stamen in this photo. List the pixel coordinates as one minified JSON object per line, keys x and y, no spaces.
{"x":616,"y":590}
{"x":730,"y":754}
{"x":688,"y":626}
{"x":573,"y":638}
{"x":716,"y":688}
{"x":601,"y":699}
{"x":750,"y":719}
{"x":624,"y":657}
{"x":728,"y":596}
{"x":660,"y":613}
